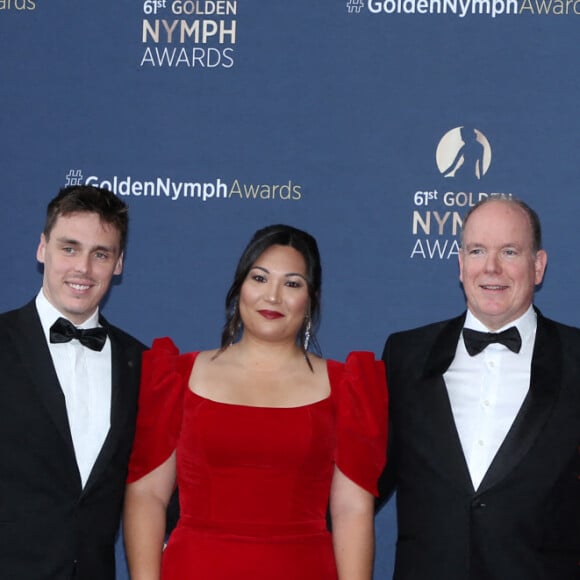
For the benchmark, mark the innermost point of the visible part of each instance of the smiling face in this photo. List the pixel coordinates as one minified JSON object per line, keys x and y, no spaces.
{"x":274,"y":295}
{"x":80,"y":256}
{"x":497,"y":263}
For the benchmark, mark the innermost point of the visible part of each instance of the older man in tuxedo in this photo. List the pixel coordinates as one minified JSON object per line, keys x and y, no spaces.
{"x":485,"y":419}
{"x":68,"y":392}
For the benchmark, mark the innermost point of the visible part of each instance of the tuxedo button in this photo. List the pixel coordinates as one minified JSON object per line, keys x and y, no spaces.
{"x":478,"y":505}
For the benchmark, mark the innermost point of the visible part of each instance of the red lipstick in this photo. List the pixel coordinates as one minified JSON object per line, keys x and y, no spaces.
{"x":270,"y":314}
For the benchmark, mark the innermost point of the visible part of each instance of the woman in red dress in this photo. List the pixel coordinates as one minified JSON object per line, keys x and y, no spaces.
{"x":261,"y":436}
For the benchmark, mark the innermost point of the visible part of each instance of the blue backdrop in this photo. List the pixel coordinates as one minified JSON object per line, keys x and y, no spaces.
{"x":373,"y":124}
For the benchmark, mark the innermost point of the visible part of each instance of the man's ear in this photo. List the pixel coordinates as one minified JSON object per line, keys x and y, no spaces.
{"x":41,"y":249}
{"x":119,"y":265}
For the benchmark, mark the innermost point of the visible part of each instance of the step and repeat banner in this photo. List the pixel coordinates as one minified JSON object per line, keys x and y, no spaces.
{"x":372,"y":124}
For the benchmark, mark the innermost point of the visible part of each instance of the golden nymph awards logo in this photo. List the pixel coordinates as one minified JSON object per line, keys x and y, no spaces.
{"x":463,"y":156}
{"x":189,"y":33}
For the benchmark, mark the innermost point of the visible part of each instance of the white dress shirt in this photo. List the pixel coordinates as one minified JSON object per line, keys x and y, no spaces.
{"x":486,"y":392}
{"x":85,"y":379}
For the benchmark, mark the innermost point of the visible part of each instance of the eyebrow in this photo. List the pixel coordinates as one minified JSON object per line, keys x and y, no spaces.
{"x":484,"y":245}
{"x":288,"y":274}
{"x":73,"y":242}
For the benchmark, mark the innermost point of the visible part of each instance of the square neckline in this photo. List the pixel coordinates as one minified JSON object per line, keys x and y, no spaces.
{"x":264,"y":407}
{"x":242,"y":406}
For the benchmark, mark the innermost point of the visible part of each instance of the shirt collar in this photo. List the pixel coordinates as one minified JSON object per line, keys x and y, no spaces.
{"x":526,"y":323}
{"x":49,"y":314}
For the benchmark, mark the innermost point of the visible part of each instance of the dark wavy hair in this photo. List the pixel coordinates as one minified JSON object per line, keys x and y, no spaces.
{"x":276,"y":235}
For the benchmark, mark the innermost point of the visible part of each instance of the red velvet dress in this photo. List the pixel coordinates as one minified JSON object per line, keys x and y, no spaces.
{"x":254,"y":482}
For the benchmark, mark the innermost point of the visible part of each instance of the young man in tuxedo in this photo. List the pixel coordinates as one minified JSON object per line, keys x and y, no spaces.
{"x":485,"y":420}
{"x":68,"y":397}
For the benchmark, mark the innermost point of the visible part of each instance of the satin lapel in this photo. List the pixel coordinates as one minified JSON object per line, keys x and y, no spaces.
{"x":37,"y":362}
{"x":122,"y":402}
{"x":545,"y":384}
{"x":444,"y":444}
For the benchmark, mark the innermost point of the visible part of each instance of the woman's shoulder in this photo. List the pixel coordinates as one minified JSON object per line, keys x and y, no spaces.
{"x":318,"y":363}
{"x":164,"y":356}
{"x":205,"y":356}
{"x":361,"y":375}
{"x":165,"y":345}
{"x":356,"y":361}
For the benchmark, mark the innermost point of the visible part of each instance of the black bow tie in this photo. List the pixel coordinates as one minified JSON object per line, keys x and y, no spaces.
{"x":476,"y":341}
{"x":64,"y":331}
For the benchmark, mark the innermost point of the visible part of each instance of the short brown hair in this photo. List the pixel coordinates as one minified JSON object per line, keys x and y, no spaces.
{"x":89,"y":199}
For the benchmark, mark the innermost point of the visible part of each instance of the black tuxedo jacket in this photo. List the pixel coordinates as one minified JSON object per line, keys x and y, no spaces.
{"x":50,"y":527}
{"x":523,"y":522}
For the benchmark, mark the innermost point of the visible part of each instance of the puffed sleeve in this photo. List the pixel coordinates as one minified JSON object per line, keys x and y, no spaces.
{"x":164,"y":376}
{"x":360,"y":390}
